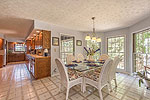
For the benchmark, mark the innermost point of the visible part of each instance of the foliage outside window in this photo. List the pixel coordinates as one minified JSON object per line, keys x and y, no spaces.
{"x":67,"y":48}
{"x":95,"y":45}
{"x":19,"y":47}
{"x":141,"y":50}
{"x":115,"y":48}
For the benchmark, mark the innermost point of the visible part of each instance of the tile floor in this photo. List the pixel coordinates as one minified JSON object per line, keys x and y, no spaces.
{"x":17,"y":84}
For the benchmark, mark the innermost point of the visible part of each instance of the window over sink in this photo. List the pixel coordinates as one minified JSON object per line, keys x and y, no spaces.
{"x":20,"y":47}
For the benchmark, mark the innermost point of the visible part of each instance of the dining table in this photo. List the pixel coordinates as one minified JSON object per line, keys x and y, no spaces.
{"x":84,"y":67}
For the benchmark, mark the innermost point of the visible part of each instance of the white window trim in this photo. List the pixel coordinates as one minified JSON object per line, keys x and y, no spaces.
{"x":125,"y":51}
{"x":61,"y":45}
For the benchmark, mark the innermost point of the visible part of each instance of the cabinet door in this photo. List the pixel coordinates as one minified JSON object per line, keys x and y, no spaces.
{"x":46,"y":39}
{"x":33,"y":44}
{"x":40,"y":40}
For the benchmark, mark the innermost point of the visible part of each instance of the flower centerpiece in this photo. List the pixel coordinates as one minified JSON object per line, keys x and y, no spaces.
{"x":90,"y":52}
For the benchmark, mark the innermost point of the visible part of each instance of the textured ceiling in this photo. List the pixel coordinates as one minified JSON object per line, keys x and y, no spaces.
{"x":76,"y":14}
{"x":15,"y":27}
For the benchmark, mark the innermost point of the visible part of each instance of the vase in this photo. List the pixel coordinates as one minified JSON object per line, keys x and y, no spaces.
{"x":90,"y":58}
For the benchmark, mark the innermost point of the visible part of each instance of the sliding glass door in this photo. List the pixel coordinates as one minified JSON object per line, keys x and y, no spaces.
{"x":141,"y":50}
{"x":116,"y":47}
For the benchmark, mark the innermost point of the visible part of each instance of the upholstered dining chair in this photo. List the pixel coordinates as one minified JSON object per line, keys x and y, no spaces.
{"x":67,"y":80}
{"x":104,"y":57}
{"x":98,"y":80}
{"x":80,"y":57}
{"x":112,"y":72}
{"x":70,"y":58}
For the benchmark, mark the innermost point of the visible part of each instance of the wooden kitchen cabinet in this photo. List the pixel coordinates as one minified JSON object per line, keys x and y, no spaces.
{"x":15,"y":57}
{"x":28,"y":46}
{"x":42,"y":40}
{"x":38,"y":66}
{"x":1,"y":56}
{"x":46,"y":39}
{"x":32,"y":43}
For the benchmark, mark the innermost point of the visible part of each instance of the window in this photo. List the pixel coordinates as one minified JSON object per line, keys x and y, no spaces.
{"x":115,"y":48}
{"x":19,"y":47}
{"x":67,"y":46}
{"x":141,"y":50}
{"x":95,"y":45}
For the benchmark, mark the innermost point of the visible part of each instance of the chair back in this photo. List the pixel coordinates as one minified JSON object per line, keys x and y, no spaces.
{"x":104,"y":57}
{"x":113,"y":68}
{"x":103,"y":78}
{"x":80,"y":57}
{"x":62,"y":70}
{"x":70,"y":58}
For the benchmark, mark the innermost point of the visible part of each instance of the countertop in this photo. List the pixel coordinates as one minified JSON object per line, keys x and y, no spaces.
{"x":37,"y":56}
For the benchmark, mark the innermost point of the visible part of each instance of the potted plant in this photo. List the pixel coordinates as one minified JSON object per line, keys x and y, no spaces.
{"x":143,"y":79}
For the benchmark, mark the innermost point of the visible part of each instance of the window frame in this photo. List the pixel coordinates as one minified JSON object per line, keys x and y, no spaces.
{"x":135,"y":52}
{"x":125,"y":51}
{"x":74,"y":44}
{"x":15,"y":47}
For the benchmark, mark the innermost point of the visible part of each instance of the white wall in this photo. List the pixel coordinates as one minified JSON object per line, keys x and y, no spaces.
{"x":128,"y":32}
{"x":1,"y":36}
{"x":55,"y":32}
{"x":121,"y":32}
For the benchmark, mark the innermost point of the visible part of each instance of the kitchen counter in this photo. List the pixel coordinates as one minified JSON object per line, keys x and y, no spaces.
{"x":16,"y":56}
{"x":37,"y":56}
{"x":38,"y":66}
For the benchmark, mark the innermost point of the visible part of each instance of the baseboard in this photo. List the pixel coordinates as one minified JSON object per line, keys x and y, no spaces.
{"x":56,"y":74}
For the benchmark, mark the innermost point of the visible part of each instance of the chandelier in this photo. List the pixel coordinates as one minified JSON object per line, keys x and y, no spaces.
{"x":93,"y":38}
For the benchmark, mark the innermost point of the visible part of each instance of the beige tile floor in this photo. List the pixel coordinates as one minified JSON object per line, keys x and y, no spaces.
{"x":17,"y":84}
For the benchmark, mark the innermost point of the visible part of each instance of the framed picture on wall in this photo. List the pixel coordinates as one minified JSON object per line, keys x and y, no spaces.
{"x":79,"y":43}
{"x":55,"y":41}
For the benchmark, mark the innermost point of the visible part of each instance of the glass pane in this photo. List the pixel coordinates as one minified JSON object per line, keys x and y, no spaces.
{"x":116,"y":48}
{"x":141,"y":50}
{"x":19,"y":47}
{"x":67,"y":46}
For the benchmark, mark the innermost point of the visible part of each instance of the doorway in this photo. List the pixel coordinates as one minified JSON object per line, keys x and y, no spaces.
{"x":141,"y":50}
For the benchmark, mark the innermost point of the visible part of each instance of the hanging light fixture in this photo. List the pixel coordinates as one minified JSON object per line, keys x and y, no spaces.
{"x":88,"y":37}
{"x":93,"y":38}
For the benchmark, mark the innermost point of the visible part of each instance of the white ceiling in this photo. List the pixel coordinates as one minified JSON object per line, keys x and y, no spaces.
{"x":76,"y":14}
{"x":15,"y":27}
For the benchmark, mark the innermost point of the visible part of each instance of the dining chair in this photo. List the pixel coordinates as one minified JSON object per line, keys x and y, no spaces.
{"x":70,"y":58}
{"x":112,"y":72}
{"x":104,"y":57}
{"x":80,"y":57}
{"x":98,"y":80}
{"x":67,"y":80}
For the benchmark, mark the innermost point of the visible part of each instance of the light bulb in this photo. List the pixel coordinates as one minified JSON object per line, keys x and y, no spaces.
{"x":94,"y":38}
{"x":87,"y":37}
{"x":98,"y":39}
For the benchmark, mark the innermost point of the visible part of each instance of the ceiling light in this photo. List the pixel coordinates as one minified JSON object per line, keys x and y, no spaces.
{"x":37,"y":31}
{"x":93,"y":38}
{"x":87,"y":37}
{"x":98,"y":39}
{"x":93,"y":34}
